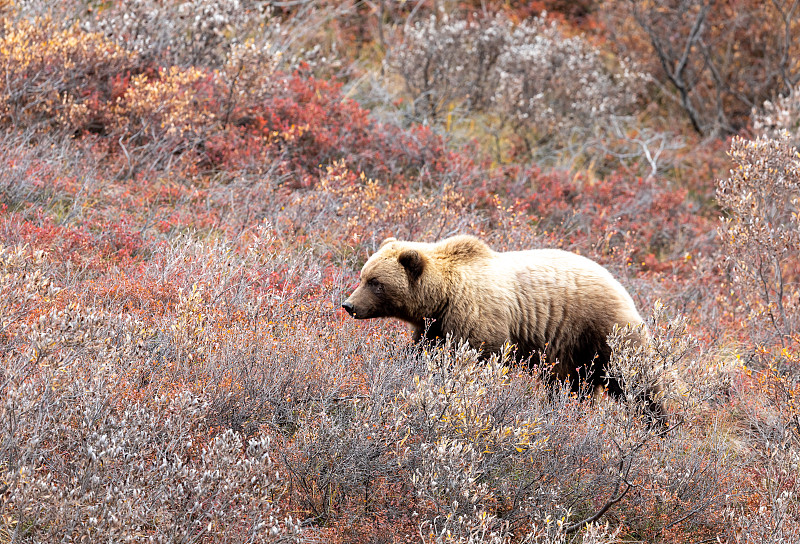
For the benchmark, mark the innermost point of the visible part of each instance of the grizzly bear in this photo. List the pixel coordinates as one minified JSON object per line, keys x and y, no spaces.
{"x":544,"y":301}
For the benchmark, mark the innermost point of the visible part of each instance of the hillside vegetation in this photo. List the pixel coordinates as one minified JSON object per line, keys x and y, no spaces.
{"x":188,"y":190}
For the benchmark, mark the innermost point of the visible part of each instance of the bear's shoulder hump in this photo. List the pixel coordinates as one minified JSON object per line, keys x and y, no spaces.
{"x":464,"y":247}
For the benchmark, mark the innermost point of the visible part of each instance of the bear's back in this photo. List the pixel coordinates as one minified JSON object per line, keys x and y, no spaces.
{"x":568,"y":273}
{"x":560,"y":300}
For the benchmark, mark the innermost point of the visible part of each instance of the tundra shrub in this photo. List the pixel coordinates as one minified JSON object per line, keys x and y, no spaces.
{"x":761,"y":236}
{"x":81,"y":461}
{"x":193,"y":32}
{"x":779,"y":115}
{"x":529,"y":76}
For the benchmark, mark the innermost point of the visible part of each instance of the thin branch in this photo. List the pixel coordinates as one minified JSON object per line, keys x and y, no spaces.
{"x":591,"y":519}
{"x":787,"y":17}
{"x":676,"y":74}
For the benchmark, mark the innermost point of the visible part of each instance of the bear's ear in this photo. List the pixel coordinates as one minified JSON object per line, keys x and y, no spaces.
{"x":388,"y":241}
{"x":412,"y":261}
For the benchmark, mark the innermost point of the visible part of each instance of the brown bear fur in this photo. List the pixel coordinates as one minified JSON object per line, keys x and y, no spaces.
{"x":545,"y":301}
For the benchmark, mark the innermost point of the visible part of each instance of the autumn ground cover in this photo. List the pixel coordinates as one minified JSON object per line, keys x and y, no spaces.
{"x":189,"y":189}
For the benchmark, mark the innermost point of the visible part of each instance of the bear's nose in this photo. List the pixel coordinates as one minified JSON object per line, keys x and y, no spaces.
{"x":347,"y":305}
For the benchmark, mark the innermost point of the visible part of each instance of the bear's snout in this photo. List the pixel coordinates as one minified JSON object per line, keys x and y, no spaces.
{"x":347,"y":305}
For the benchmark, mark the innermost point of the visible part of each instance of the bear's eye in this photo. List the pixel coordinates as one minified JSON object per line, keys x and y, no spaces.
{"x":375,"y":285}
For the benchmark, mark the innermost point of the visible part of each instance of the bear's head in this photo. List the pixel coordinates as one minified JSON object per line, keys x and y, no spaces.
{"x":413,"y":281}
{"x":390,"y":282}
